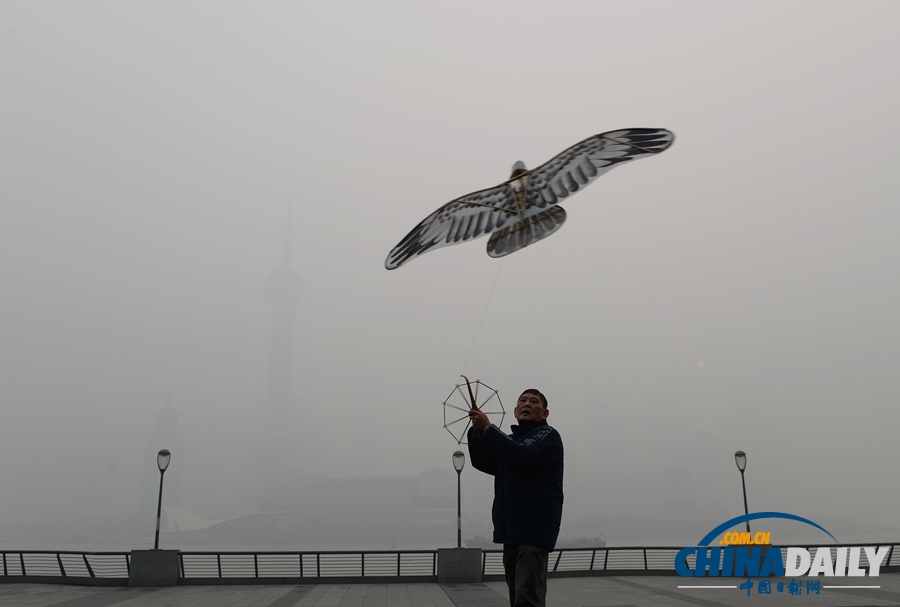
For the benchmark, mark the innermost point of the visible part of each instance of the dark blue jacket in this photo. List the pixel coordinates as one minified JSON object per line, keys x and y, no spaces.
{"x":528,"y":476}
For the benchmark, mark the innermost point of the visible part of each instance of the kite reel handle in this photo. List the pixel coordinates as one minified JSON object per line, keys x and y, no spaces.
{"x":472,"y":400}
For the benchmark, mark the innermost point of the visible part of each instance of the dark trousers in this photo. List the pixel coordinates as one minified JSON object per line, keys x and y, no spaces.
{"x":526,"y":575}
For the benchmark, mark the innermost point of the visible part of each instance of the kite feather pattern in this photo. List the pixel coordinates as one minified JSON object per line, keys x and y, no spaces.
{"x":521,"y":210}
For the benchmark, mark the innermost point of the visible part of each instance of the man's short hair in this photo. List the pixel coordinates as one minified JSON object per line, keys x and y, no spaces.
{"x":539,"y":393}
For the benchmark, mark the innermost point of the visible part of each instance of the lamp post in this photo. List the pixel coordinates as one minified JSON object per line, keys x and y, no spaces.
{"x":740,"y":458}
{"x":459,"y":461}
{"x":162,"y":460}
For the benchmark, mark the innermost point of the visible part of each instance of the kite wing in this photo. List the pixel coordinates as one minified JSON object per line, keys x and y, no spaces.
{"x":459,"y":220}
{"x":586,"y":161}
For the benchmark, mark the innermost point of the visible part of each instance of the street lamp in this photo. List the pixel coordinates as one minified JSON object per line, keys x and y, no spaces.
{"x":740,"y":458}
{"x":162,"y":460}
{"x":459,"y":461}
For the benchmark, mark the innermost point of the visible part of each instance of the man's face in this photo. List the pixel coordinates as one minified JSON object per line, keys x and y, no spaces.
{"x":530,"y":408}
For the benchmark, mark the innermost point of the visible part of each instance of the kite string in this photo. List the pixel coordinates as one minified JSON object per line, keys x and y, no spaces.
{"x":483,"y":313}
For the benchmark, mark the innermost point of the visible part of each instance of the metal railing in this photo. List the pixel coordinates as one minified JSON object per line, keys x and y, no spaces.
{"x":570,"y":562}
{"x":651,"y":560}
{"x":363,"y":566}
{"x":65,"y":566}
{"x":378,"y":566}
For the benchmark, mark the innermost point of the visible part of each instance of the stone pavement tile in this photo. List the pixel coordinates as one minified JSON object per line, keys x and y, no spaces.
{"x":325,"y":595}
{"x":42,"y":595}
{"x":203,"y":596}
{"x":501,"y":588}
{"x":356,"y":596}
{"x":288,"y":599}
{"x":475,"y":595}
{"x":264,"y":596}
{"x":437,"y":595}
{"x":618,"y":591}
{"x":886,"y":592}
{"x":663,"y":591}
{"x":397,"y":595}
{"x":182,"y":596}
{"x":377,"y":595}
{"x":365,"y":595}
{"x":589,"y":591}
{"x":313,"y":596}
{"x":666,"y":589}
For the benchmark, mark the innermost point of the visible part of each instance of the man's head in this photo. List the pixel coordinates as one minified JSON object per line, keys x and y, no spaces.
{"x":531,"y":406}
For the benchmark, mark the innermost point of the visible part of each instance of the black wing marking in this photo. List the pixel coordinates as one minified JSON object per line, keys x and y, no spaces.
{"x":584,"y":162}
{"x":459,"y":220}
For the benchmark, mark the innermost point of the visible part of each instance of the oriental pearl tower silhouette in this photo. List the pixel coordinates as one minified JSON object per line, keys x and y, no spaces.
{"x":276,"y":445}
{"x":283,"y":290}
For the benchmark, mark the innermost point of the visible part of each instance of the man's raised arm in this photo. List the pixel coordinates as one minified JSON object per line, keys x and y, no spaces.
{"x":482,"y":459}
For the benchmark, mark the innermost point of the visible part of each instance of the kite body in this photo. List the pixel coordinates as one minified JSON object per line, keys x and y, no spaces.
{"x":523,"y":210}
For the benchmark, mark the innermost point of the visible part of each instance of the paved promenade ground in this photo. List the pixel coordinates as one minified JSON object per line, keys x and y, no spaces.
{"x":636,"y":591}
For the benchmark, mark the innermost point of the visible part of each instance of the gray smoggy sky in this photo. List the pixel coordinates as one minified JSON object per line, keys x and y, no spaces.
{"x":739,"y":291}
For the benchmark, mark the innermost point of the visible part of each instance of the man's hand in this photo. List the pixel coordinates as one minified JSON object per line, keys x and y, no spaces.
{"x":480,"y":421}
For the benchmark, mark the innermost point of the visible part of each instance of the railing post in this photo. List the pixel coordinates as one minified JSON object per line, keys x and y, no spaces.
{"x":318,"y":567}
{"x":605,"y":558}
{"x":362,"y":564}
{"x":5,"y":573}
{"x":645,"y":560}
{"x":556,"y":564}
{"x":256,"y":566}
{"x":398,"y":564}
{"x":593,"y":556}
{"x":301,"y":563}
{"x":88,"y":565}
{"x":62,"y":570}
{"x":219,"y":563}
{"x":22,"y":562}
{"x":181,"y":560}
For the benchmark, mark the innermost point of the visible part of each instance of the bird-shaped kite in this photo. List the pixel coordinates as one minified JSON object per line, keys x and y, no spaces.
{"x":523,"y":210}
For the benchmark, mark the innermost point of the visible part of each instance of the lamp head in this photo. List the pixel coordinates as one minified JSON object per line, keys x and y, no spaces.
{"x":162,"y":459}
{"x":740,"y":458}
{"x":459,"y":460}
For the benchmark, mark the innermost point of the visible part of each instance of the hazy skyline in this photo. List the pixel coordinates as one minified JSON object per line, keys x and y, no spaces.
{"x":150,"y":154}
